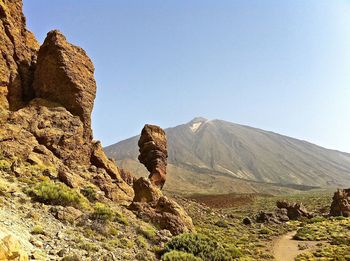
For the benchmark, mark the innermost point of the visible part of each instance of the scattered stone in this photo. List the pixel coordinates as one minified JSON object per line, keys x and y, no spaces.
{"x":69,"y":214}
{"x":62,"y":252}
{"x":36,"y":242}
{"x":267,"y":217}
{"x":247,"y":221}
{"x":341,"y":203}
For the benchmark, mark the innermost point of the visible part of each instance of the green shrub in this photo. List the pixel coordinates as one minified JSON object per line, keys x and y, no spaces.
{"x":38,"y":230}
{"x":180,"y":256}
{"x":233,"y":251}
{"x":90,"y":247}
{"x":49,"y":192}
{"x":120,"y":218}
{"x":141,"y":242}
{"x":102,"y":212}
{"x":200,"y":246}
{"x":5,"y":165}
{"x":221,"y":223}
{"x":90,"y":193}
{"x":315,"y":220}
{"x":265,"y":231}
{"x":148,"y":232}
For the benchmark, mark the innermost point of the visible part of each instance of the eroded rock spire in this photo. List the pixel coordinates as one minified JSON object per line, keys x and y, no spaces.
{"x":153,"y":153}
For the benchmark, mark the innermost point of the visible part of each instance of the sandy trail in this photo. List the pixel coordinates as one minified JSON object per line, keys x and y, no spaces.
{"x":286,"y":248}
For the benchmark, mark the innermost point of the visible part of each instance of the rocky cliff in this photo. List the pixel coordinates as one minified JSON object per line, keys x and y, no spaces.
{"x":47,"y":97}
{"x":47,"y":149}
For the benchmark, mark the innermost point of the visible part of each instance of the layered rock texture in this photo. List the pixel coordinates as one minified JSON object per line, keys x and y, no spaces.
{"x":153,"y":153}
{"x":18,"y":48}
{"x":64,"y":74}
{"x":149,"y":202}
{"x":341,"y":203}
{"x":47,"y":96}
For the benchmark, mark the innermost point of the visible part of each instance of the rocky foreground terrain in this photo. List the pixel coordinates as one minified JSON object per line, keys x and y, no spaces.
{"x":61,"y":196}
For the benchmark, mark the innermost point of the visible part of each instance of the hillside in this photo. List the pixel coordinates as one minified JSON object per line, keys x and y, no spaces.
{"x":219,"y":156}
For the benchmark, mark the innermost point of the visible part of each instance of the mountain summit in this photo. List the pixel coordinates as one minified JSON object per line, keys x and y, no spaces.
{"x":216,"y":155}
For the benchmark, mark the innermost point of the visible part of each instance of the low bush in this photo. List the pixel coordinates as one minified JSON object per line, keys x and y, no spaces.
{"x":180,"y":256}
{"x":102,"y":212}
{"x":90,"y":193}
{"x":221,"y":223}
{"x":49,"y":192}
{"x":199,"y":246}
{"x":148,"y":232}
{"x":5,"y":165}
{"x":38,"y":230}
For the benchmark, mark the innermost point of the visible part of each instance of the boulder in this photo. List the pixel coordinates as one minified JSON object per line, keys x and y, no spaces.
{"x":10,"y":249}
{"x":341,"y":203}
{"x":267,"y":217}
{"x":69,"y":214}
{"x":150,"y":204}
{"x":295,"y":211}
{"x":65,"y":75}
{"x":153,"y":153}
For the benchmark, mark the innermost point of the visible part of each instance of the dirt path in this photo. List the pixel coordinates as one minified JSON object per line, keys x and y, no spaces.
{"x":286,"y":249}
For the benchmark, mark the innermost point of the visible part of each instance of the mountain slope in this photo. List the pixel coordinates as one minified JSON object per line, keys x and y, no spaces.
{"x":228,"y":153}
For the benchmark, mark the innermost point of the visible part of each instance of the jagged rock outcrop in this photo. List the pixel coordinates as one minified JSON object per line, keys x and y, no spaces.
{"x":46,"y":99}
{"x":153,"y":153}
{"x":341,"y":203}
{"x":18,"y":47}
{"x":295,"y":211}
{"x":65,"y":74}
{"x":285,"y":211}
{"x":150,"y":204}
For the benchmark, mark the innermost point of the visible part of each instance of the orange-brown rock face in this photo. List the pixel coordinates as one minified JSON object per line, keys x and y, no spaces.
{"x":151,"y":204}
{"x":18,"y":47}
{"x":64,"y":74}
{"x":153,"y":153}
{"x":45,"y":109}
{"x":341,"y":203}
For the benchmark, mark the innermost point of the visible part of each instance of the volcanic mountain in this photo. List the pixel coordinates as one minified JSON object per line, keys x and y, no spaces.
{"x":216,"y":156}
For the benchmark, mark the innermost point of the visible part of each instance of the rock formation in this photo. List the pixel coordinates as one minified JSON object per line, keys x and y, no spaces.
{"x":341,"y":203}
{"x":284,"y":212}
{"x":153,"y":153}
{"x":295,"y":211}
{"x":149,"y":202}
{"x":46,"y":100}
{"x":64,"y":74}
{"x":18,"y":47}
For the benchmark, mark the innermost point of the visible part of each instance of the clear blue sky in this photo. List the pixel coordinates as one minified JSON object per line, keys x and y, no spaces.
{"x":278,"y":65}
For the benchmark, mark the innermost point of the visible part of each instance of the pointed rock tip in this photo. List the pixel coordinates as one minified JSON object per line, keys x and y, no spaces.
{"x":54,"y":35}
